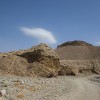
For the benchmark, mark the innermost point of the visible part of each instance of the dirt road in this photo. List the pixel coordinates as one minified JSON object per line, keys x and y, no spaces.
{"x":79,"y":89}
{"x":85,"y":90}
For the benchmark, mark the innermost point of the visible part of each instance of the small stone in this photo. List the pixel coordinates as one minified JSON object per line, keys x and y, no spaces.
{"x":21,"y":82}
{"x":3,"y":92}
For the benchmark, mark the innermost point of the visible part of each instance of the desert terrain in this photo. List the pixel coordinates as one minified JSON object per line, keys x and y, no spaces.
{"x":58,"y":88}
{"x":70,"y":72}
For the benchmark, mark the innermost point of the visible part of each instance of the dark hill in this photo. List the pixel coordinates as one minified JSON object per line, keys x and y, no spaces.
{"x":75,"y":43}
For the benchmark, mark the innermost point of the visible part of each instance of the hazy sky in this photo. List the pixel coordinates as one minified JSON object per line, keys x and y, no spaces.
{"x":24,"y":23}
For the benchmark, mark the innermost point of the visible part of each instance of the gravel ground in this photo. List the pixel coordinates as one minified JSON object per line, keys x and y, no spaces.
{"x":95,"y":79}
{"x":59,"y":88}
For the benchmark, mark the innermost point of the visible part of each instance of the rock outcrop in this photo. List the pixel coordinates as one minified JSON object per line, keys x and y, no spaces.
{"x":76,"y":67}
{"x":39,"y":60}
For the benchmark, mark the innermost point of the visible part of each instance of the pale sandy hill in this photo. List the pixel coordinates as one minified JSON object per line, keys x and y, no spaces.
{"x":79,"y":52}
{"x":78,"y":57}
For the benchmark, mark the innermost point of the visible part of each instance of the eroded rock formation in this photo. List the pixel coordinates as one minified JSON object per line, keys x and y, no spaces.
{"x":75,"y":58}
{"x":76,"y":67}
{"x":39,"y":60}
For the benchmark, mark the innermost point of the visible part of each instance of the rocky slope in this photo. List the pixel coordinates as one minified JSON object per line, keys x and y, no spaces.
{"x":76,"y":67}
{"x":78,"y":57}
{"x":78,"y":50}
{"x":39,"y":60}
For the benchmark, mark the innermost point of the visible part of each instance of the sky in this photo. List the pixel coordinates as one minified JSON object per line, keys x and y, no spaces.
{"x":25,"y":23}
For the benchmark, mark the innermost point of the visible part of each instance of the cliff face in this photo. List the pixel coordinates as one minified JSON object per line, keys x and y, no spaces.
{"x":39,"y":60}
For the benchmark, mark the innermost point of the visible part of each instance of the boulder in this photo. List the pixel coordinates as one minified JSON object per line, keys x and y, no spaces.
{"x":67,"y":69}
{"x":42,"y":61}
